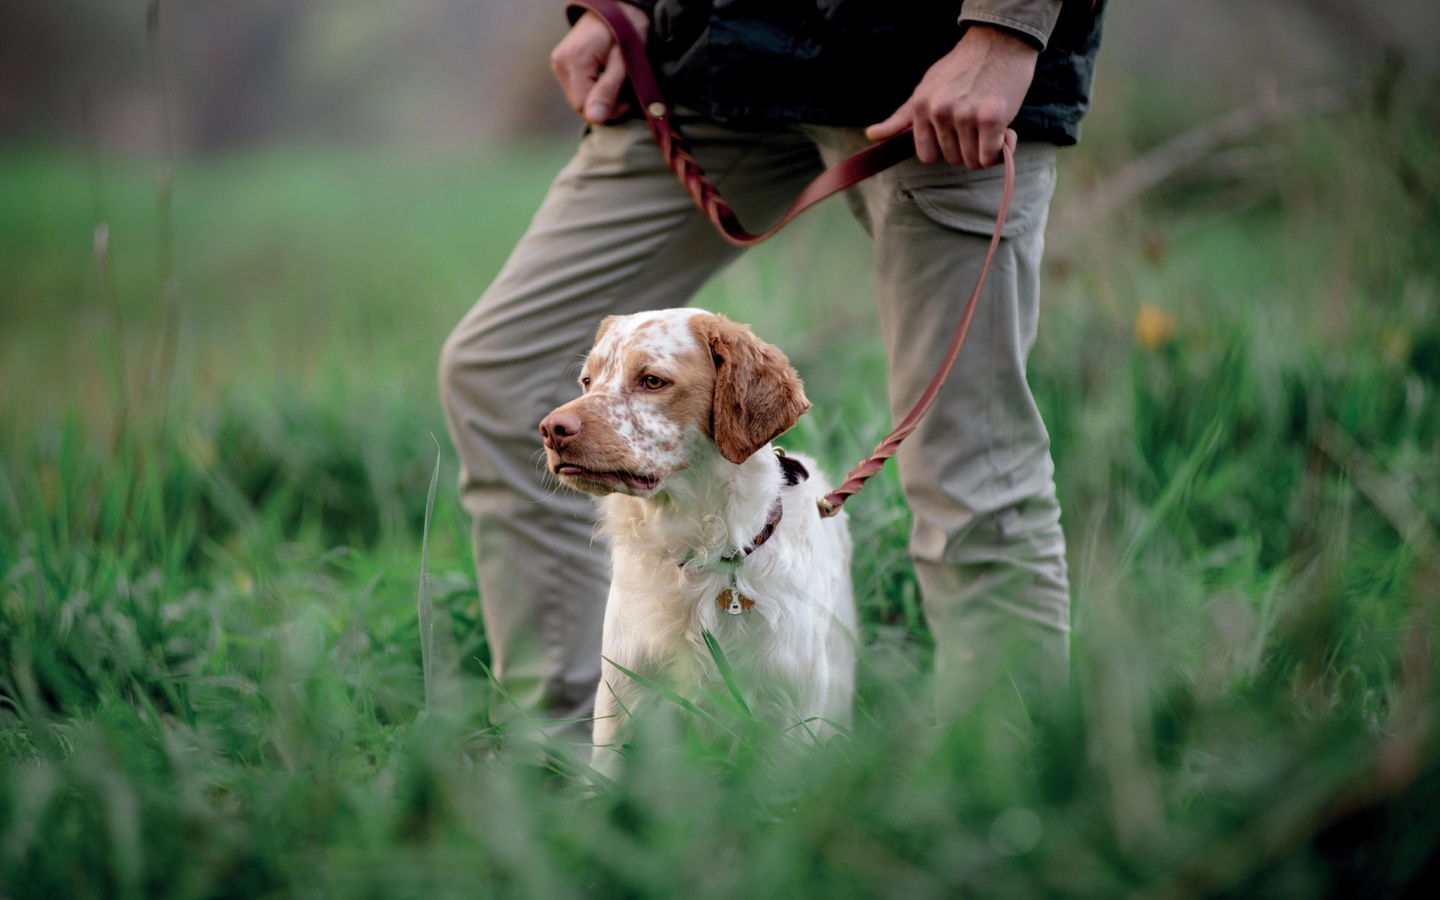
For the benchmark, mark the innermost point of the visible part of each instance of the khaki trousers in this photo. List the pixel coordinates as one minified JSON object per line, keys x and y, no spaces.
{"x":617,"y":234}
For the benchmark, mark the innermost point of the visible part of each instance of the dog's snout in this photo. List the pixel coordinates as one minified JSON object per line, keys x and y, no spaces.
{"x":559,"y":428}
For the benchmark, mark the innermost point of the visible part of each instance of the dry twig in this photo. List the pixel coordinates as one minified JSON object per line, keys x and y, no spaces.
{"x":1189,"y":148}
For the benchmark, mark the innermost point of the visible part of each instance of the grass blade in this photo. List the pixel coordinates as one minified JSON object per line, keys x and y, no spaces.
{"x":727,"y":673}
{"x":671,"y":696}
{"x":500,"y":688}
{"x":839,"y":729}
{"x":424,"y":604}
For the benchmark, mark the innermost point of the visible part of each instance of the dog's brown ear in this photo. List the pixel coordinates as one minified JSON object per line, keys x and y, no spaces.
{"x":605,"y":324}
{"x":758,"y":396}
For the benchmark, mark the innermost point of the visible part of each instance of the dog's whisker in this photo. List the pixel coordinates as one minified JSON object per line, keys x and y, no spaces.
{"x":547,"y":479}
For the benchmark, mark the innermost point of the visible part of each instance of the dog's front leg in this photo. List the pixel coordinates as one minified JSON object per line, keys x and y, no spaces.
{"x":612,"y":721}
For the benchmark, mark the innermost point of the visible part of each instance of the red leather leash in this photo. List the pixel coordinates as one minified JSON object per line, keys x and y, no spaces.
{"x":831,"y":502}
{"x":849,"y":172}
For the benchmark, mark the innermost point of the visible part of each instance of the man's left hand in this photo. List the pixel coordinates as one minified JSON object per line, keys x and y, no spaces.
{"x":967,"y":99}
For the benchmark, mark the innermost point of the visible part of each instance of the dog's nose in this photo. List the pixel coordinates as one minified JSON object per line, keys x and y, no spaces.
{"x":559,"y":429}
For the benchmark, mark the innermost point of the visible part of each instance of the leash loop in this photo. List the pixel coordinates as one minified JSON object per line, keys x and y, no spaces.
{"x":830,"y":504}
{"x":659,"y":116}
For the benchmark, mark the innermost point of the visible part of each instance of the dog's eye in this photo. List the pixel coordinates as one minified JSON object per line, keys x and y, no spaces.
{"x":585,"y":382}
{"x":653,"y":382}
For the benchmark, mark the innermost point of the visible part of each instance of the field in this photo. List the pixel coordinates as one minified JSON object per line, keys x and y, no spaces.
{"x":219,"y":436}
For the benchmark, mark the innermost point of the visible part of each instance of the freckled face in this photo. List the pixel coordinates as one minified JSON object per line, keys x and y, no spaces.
{"x":648,"y":384}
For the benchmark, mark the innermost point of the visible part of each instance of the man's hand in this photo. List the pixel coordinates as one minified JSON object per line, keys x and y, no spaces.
{"x":590,"y":69}
{"x":967,"y":99}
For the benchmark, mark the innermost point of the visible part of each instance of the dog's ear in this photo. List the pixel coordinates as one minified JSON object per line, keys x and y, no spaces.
{"x":758,"y":396}
{"x":605,"y":324}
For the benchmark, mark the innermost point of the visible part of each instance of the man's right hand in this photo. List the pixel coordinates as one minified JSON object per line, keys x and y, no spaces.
{"x":590,"y":69}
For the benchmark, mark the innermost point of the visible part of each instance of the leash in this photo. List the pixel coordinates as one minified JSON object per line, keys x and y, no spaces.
{"x":847,"y":173}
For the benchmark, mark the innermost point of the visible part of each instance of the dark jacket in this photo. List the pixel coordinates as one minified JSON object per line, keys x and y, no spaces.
{"x":854,"y":62}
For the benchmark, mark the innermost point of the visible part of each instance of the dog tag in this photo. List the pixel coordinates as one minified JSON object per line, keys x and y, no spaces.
{"x":734,"y":602}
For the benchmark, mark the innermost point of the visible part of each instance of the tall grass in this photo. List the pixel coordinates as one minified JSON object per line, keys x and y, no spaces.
{"x":211,"y":667}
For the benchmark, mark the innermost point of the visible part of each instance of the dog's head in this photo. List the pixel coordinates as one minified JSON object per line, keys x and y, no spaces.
{"x":662,"y":388}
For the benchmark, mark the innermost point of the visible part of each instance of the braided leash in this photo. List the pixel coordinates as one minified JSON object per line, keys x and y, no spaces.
{"x":851,"y":171}
{"x":831,"y":502}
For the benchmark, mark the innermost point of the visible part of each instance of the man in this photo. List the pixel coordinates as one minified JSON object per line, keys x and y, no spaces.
{"x":771,"y":92}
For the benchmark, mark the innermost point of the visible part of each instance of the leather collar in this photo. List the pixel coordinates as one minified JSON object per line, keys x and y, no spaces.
{"x":777,"y":512}
{"x":794,"y":473}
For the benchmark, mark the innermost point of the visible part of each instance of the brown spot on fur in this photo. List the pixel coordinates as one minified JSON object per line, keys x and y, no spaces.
{"x":692,"y":389}
{"x":605,"y":324}
{"x":633,"y":362}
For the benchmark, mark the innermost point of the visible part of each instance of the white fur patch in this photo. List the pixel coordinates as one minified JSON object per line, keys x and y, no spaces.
{"x":666,"y":336}
{"x":658,"y":341}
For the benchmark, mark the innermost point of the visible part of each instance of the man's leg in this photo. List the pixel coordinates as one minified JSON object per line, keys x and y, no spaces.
{"x":615,"y":234}
{"x":987,"y":544}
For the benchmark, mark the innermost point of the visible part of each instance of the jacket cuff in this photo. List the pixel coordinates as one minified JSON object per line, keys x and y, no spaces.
{"x":1033,"y":20}
{"x":574,"y":12}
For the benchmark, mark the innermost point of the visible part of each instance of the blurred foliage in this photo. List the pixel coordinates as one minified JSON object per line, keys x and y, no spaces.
{"x":210,"y":678}
{"x":242,"y":73}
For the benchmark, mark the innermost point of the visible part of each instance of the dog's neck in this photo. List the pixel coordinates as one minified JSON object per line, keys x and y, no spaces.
{"x":705,"y":515}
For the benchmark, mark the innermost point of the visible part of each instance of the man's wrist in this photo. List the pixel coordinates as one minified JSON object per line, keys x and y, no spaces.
{"x":1000,"y":37}
{"x":1032,"y":20}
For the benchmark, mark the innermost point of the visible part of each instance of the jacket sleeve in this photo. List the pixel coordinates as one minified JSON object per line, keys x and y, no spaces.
{"x":575,"y":12}
{"x":1031,"y":19}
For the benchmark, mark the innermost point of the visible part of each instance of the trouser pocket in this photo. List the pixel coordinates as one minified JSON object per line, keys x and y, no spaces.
{"x":968,"y":201}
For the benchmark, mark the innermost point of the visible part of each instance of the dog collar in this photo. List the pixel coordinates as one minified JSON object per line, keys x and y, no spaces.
{"x":777,"y":512}
{"x":730,"y":600}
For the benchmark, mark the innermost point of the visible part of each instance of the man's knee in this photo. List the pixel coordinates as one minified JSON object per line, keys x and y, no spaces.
{"x":952,"y":529}
{"x":484,"y":384}
{"x":997,"y":596}
{"x":451,"y":371}
{"x":465,"y":355}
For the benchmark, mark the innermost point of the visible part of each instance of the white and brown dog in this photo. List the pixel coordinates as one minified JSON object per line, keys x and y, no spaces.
{"x":710,"y":530}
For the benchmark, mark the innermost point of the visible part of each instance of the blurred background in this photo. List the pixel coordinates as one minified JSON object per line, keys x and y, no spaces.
{"x":235,"y":233}
{"x":451,"y":73}
{"x":423,"y":133}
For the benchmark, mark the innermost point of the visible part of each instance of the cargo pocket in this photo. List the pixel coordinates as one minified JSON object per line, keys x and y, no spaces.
{"x":967,"y":200}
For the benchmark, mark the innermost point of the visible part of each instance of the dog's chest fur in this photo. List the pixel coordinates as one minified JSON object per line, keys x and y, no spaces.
{"x":670,"y":570}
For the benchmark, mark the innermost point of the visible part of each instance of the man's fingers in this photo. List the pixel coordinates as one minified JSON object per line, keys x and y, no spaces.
{"x":949,"y":138}
{"x":964,"y":136}
{"x":571,"y":82}
{"x":987,"y":150}
{"x":990,"y":135}
{"x":601,"y":99}
{"x":588,"y":65}
{"x":927,"y":150}
{"x":577,"y":85}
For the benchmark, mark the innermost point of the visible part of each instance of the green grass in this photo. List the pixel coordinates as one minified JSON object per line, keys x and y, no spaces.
{"x":210,"y":655}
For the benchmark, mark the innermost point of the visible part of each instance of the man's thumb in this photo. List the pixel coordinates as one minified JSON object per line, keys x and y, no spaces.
{"x":898,"y":122}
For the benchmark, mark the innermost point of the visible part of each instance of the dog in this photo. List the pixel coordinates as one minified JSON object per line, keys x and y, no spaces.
{"x":710,"y":528}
